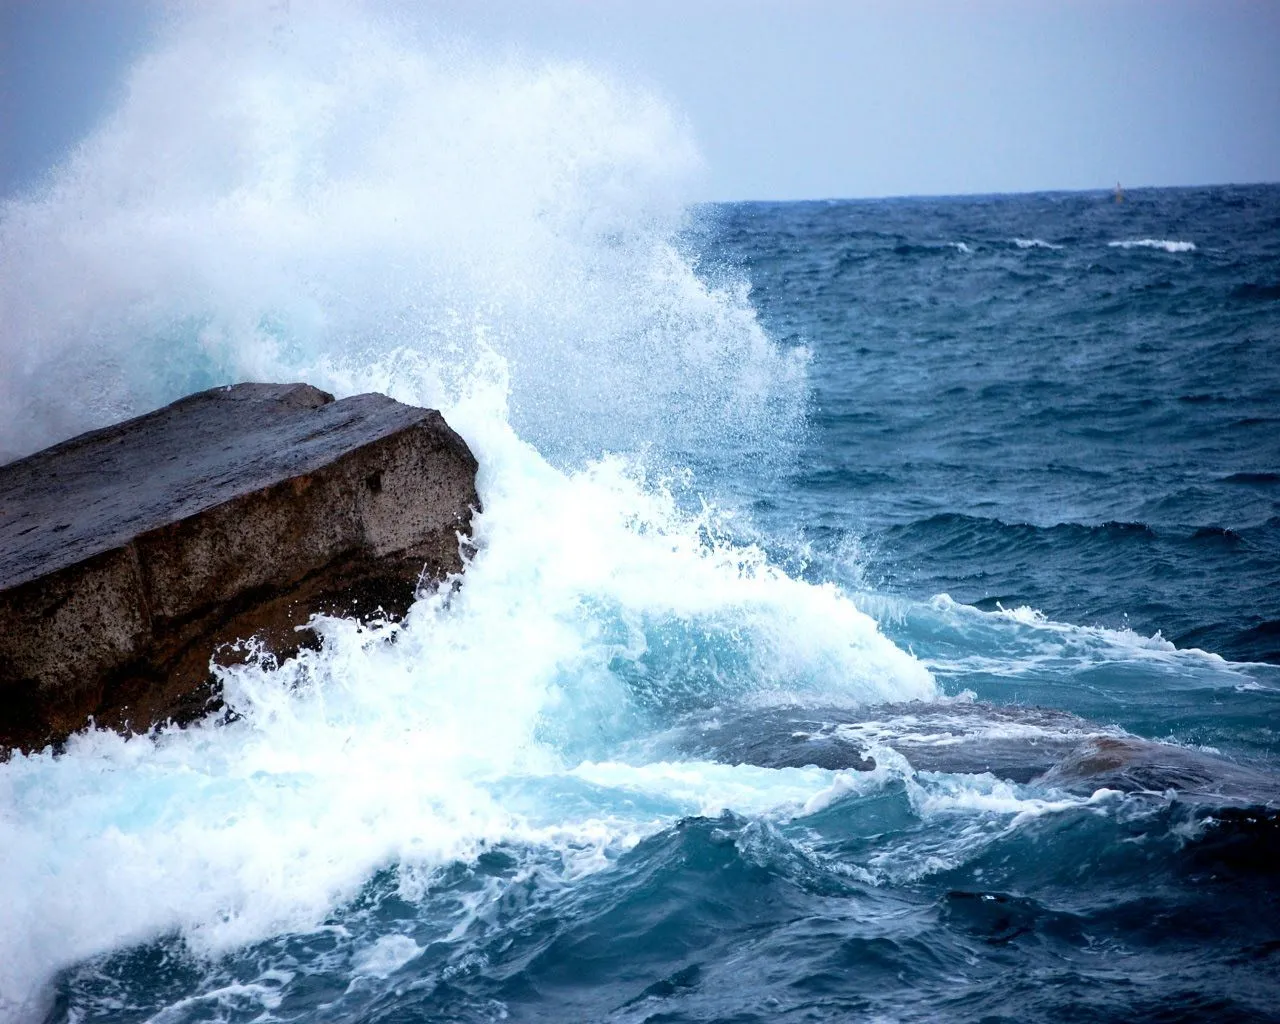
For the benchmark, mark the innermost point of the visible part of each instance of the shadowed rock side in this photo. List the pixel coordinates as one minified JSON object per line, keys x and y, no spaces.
{"x":130,"y":555}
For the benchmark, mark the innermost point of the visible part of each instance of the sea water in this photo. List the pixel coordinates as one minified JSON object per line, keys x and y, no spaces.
{"x":904,"y":469}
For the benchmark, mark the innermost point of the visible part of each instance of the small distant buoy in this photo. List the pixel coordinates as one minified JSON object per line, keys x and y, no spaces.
{"x":1119,"y":193}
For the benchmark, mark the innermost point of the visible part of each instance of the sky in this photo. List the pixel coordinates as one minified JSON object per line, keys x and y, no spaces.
{"x":808,"y":99}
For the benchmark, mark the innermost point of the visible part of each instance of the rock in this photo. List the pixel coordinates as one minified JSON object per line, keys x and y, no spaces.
{"x":1024,"y":745}
{"x":130,"y":555}
{"x":964,"y":737}
{"x":1129,"y":764}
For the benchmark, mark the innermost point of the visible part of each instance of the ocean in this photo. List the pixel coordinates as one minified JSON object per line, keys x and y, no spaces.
{"x":874,"y":614}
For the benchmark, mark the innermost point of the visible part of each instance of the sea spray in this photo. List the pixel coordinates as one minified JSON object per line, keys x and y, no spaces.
{"x":320,"y":199}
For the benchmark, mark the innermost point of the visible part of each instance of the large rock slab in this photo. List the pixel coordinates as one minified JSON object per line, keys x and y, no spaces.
{"x":131,"y":555}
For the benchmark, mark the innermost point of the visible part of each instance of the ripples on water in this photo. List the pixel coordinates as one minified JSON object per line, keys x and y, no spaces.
{"x":1044,"y":417}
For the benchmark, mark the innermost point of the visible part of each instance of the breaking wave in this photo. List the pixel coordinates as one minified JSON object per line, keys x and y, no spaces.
{"x":504,"y":240}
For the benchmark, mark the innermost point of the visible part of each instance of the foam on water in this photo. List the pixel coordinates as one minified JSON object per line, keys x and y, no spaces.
{"x":388,"y":954}
{"x":961,"y":729}
{"x":1029,"y":631}
{"x":591,"y":610}
{"x":1154,"y":243}
{"x":319,"y":199}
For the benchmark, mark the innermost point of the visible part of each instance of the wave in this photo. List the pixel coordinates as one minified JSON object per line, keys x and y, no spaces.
{"x":1131,"y":643}
{"x":1252,"y":478}
{"x":1153,"y":243}
{"x":503,"y":240}
{"x":904,"y":248}
{"x":661,"y":933}
{"x":1034,"y":243}
{"x":1252,"y":292}
{"x":1007,"y":644}
{"x":952,"y":530}
{"x":368,"y":213}
{"x":957,"y":528}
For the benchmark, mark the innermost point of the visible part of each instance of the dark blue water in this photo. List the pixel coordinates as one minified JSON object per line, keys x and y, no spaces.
{"x":1043,"y":452}
{"x":1060,"y":421}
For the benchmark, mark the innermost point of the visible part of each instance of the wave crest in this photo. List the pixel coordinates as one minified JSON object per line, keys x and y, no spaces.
{"x":1153,"y":243}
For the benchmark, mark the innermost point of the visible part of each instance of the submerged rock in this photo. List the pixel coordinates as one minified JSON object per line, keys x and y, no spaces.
{"x":1132,"y":765}
{"x":130,"y":555}
{"x":1014,"y":743}
{"x":1040,"y":746}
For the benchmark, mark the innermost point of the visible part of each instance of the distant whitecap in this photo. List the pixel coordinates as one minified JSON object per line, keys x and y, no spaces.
{"x":1154,"y":243}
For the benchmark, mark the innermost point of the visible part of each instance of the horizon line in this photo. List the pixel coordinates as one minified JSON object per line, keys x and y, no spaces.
{"x":1106,"y":189}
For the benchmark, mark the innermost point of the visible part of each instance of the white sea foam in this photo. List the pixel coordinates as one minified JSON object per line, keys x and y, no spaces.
{"x":1022,"y":643}
{"x":968,"y":812}
{"x":387,"y":955}
{"x":1154,"y":243}
{"x":1034,"y":243}
{"x":497,"y":239}
{"x":374,"y":754}
{"x":940,"y":730}
{"x":961,"y":247}
{"x":1117,"y":639}
{"x":988,"y":795}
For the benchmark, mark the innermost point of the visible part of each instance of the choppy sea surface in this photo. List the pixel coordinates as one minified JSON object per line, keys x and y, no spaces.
{"x":874,"y":614}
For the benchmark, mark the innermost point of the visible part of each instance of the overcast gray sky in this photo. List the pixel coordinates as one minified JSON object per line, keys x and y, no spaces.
{"x":815,"y":98}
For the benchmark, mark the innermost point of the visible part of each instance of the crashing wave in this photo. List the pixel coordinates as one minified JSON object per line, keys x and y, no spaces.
{"x":500,"y":239}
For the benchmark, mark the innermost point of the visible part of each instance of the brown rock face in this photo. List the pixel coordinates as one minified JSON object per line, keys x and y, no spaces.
{"x":131,"y":555}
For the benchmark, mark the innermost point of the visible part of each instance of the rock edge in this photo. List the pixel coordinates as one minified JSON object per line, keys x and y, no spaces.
{"x":130,"y":555}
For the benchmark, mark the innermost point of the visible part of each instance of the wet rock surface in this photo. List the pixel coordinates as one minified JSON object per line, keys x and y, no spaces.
{"x":1014,"y":743}
{"x":131,"y":555}
{"x":1019,"y":744}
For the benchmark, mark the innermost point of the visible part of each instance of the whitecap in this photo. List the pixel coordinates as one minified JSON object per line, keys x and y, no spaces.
{"x":1154,"y":243}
